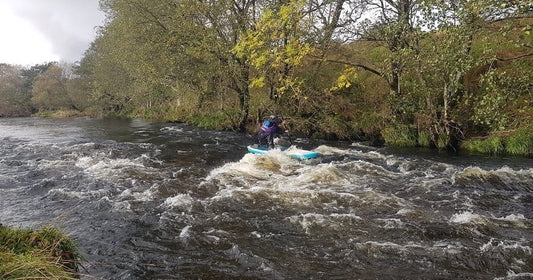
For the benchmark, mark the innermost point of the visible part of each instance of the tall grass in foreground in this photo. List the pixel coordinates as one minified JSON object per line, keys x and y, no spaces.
{"x":43,"y":254}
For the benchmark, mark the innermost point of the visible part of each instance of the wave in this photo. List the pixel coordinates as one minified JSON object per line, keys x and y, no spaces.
{"x":506,"y":245}
{"x":501,"y":178}
{"x":468,"y":218}
{"x":511,"y":275}
{"x":330,"y":222}
{"x":182,"y":202}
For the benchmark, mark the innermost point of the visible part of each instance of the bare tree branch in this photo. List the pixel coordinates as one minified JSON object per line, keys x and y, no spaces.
{"x":514,"y":57}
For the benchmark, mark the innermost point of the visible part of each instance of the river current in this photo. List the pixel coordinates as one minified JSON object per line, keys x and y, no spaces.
{"x":169,"y":201}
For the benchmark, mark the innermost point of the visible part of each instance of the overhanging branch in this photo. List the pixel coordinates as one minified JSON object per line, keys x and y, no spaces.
{"x":514,"y":57}
{"x":362,"y":66}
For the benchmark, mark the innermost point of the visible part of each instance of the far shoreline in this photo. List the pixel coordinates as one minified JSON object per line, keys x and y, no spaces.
{"x":519,"y":144}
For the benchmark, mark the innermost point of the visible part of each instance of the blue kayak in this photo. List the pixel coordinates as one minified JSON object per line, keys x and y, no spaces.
{"x":296,"y":154}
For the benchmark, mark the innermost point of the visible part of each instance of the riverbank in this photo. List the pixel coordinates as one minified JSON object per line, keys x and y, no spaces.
{"x":517,"y":142}
{"x":41,"y":254}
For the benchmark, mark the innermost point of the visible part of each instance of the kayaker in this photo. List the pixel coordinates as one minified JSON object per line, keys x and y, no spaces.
{"x":269,"y":130}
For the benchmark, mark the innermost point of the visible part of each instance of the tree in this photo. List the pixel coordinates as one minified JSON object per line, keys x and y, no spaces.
{"x":111,"y":85}
{"x":394,"y":28}
{"x":412,"y":65}
{"x":165,"y":46}
{"x":29,"y":74}
{"x":49,"y":90}
{"x":505,"y":83}
{"x":394,"y":24}
{"x":14,"y":99}
{"x":274,"y":47}
{"x":457,"y":45}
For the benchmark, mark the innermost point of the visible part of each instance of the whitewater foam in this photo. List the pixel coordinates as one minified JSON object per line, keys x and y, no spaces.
{"x":332,"y":221}
{"x":511,"y":275}
{"x":183,"y":202}
{"x":172,"y":129}
{"x":518,"y":220}
{"x":391,"y":223}
{"x":185,"y":234}
{"x":63,"y":193}
{"x":505,"y":176}
{"x":108,"y":167}
{"x":506,"y":245}
{"x":467,"y":218}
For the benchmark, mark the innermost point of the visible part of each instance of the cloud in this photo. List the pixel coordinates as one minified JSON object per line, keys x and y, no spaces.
{"x":69,"y":25}
{"x":22,"y":43}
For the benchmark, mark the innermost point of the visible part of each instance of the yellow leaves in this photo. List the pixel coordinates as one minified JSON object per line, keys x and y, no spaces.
{"x":346,"y":79}
{"x":260,"y":60}
{"x":285,"y":12}
{"x":291,"y":85}
{"x":296,"y":51}
{"x":258,"y":83}
{"x":275,"y":46}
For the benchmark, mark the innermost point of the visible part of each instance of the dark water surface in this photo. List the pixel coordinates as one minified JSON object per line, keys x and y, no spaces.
{"x":169,"y":201}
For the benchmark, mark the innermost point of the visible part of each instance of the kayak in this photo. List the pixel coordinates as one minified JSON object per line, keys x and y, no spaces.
{"x":293,"y":153}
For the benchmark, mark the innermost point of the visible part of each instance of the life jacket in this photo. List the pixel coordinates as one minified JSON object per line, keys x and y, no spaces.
{"x":269,"y":127}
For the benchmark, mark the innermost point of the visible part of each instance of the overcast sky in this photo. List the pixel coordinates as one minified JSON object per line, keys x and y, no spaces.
{"x":39,"y":31}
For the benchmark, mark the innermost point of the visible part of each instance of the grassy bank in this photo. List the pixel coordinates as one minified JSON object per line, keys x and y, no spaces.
{"x":37,"y":254}
{"x":59,"y":114}
{"x":518,"y":142}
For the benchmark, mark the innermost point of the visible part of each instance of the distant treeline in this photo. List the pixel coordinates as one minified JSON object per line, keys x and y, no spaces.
{"x":431,"y":73}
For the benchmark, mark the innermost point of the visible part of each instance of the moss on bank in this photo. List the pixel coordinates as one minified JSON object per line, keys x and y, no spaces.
{"x":42,"y":254}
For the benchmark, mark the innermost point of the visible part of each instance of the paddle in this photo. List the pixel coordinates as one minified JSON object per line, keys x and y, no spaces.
{"x":290,"y":139}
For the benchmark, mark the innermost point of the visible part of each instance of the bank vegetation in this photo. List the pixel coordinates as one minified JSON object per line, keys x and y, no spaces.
{"x":37,"y":254}
{"x":430,"y":73}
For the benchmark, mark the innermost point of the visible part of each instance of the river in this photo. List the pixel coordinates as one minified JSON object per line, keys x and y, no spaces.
{"x":151,"y":200}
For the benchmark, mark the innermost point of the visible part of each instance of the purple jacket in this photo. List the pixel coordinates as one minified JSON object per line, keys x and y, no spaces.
{"x":269,"y":127}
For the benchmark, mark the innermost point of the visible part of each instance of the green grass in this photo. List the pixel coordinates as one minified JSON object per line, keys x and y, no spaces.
{"x":490,"y":146}
{"x":43,"y":254}
{"x":400,"y":136}
{"x":519,"y":143}
{"x":424,"y":139}
{"x":60,"y":114}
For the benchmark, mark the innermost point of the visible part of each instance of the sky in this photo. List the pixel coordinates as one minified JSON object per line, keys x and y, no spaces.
{"x":39,"y":31}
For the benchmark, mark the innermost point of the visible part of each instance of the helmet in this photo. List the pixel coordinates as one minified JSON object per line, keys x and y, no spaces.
{"x":274,"y":117}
